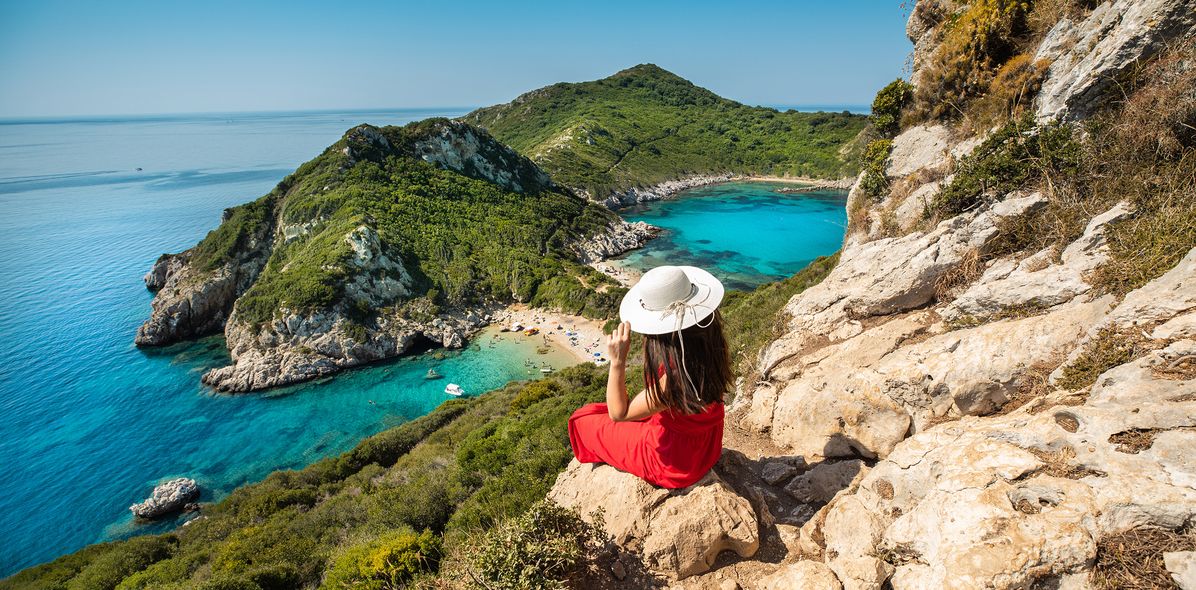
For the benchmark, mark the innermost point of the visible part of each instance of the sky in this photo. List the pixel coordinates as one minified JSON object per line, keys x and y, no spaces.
{"x":70,"y":58}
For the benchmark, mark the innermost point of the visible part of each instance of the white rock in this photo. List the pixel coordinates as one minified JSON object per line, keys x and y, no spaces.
{"x":1182,"y":567}
{"x":917,"y":148}
{"x":804,"y":575}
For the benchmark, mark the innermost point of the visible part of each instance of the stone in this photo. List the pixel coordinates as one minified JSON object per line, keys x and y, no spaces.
{"x":1161,"y":299}
{"x":823,"y":481}
{"x":1182,"y":567}
{"x":167,"y":498}
{"x":1038,"y":282}
{"x":775,"y":472}
{"x":1089,"y":56}
{"x":917,"y":148}
{"x":678,"y":533}
{"x":618,"y":570}
{"x":804,"y":575}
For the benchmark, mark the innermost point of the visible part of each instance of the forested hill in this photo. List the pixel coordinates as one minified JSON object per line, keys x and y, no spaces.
{"x":645,"y":125}
{"x":391,"y":234}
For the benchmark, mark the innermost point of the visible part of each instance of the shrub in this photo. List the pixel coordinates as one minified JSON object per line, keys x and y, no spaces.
{"x":887,"y":107}
{"x":534,"y":392}
{"x":1010,"y":92}
{"x":1110,"y":348}
{"x":974,"y":44}
{"x":385,"y":563}
{"x":1013,"y":157}
{"x":123,"y":559}
{"x":876,"y":156}
{"x":543,"y":548}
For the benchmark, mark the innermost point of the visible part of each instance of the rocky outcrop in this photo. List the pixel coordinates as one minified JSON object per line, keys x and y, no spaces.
{"x":191,"y":302}
{"x":167,"y":498}
{"x":663,"y":190}
{"x":678,"y":533}
{"x":1088,"y":57}
{"x":619,"y":237}
{"x":299,"y":347}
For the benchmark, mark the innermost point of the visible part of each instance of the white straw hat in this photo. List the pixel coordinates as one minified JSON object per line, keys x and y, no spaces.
{"x":669,"y":298}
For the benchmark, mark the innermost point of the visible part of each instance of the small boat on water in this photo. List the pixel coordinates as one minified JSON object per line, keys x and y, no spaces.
{"x":432,"y":374}
{"x":454,"y":390}
{"x":546,"y":370}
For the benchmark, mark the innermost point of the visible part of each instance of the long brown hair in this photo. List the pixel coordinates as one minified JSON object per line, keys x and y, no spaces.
{"x":707,"y":359}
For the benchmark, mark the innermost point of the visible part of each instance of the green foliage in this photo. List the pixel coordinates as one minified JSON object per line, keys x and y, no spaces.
{"x":645,"y":125}
{"x":543,"y":548}
{"x":233,"y":236}
{"x":385,"y":563}
{"x":876,"y":157}
{"x":1011,"y":158}
{"x":887,"y":107}
{"x":461,"y":237}
{"x":1108,"y":349}
{"x":535,"y":392}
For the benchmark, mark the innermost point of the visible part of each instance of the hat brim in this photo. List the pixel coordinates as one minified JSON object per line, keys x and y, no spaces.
{"x":706,"y":299}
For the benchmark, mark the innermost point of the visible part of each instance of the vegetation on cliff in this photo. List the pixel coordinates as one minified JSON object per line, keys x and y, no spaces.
{"x":461,"y":236}
{"x":645,"y":125}
{"x":457,"y":493}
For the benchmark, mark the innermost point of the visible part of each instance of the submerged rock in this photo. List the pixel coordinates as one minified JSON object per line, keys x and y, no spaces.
{"x":167,"y":498}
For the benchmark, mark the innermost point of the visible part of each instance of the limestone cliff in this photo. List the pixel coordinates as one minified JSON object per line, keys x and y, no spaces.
{"x":391,"y":236}
{"x":994,"y":388}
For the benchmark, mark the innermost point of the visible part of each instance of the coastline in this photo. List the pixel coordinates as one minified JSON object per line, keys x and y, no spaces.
{"x":588,"y":337}
{"x":670,"y":188}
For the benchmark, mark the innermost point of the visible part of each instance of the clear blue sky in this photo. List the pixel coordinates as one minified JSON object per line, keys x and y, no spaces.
{"x":132,"y":57}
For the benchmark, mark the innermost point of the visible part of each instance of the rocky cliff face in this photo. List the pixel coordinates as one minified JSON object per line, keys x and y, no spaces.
{"x":943,"y":411}
{"x":335,"y":268}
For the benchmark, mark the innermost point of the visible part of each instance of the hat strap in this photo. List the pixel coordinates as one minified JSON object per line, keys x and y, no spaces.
{"x":679,"y":309}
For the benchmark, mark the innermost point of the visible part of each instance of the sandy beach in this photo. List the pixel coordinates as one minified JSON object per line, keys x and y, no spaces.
{"x":580,"y":336}
{"x":625,"y":275}
{"x":842,"y":183}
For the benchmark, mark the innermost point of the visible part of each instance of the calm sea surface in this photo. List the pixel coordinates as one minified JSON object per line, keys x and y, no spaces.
{"x":88,"y":423}
{"x":745,"y":233}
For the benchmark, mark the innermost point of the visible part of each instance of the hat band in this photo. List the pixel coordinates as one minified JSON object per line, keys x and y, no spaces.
{"x":693,"y":290}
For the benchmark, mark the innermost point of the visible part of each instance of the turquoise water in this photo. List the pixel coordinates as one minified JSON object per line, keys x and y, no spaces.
{"x":745,"y":233}
{"x":89,"y":422}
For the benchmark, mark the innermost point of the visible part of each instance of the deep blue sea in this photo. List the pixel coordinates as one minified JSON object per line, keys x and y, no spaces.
{"x":745,"y":233}
{"x":89,"y":423}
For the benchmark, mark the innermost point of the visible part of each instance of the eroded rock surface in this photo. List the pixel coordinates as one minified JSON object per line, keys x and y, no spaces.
{"x":678,"y":533}
{"x":167,"y":498}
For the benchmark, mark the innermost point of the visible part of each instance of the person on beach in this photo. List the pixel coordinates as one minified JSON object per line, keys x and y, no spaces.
{"x":671,"y":433}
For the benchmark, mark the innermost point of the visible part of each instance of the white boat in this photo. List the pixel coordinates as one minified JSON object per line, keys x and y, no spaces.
{"x":454,"y":389}
{"x":546,"y":370}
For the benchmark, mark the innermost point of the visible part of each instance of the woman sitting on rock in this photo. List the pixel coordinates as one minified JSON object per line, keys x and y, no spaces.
{"x":671,"y":434}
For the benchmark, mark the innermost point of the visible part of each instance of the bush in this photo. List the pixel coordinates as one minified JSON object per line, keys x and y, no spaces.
{"x":974,"y":44}
{"x":1013,"y":157}
{"x":876,"y":157}
{"x":1009,"y":93}
{"x":534,"y":392}
{"x":887,"y":107}
{"x":385,"y":563}
{"x":123,"y":559}
{"x":544,"y":548}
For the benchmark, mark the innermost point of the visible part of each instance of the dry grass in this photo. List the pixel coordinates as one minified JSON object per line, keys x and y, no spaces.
{"x":965,"y":272}
{"x":1180,"y":369}
{"x":1134,"y":559}
{"x":1108,"y":349}
{"x":1134,"y":440}
{"x":1033,"y":385}
{"x":1057,"y":463}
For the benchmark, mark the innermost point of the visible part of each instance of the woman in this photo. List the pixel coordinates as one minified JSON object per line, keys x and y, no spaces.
{"x":671,"y":434}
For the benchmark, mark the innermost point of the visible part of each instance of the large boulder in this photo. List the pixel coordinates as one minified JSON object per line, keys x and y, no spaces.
{"x":1089,"y":57}
{"x":806,"y":575}
{"x":678,"y":533}
{"x":167,"y":498}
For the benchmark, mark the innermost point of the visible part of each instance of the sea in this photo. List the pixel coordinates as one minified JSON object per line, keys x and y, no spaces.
{"x":89,"y":423}
{"x":744,"y":233}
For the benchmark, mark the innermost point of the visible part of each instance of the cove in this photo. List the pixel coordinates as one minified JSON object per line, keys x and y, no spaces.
{"x":745,"y":233}
{"x":90,"y":422}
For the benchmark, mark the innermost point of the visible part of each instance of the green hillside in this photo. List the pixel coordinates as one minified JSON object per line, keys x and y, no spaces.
{"x":645,"y":125}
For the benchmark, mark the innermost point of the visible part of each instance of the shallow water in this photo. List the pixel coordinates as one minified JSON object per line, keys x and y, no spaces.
{"x":745,"y":233}
{"x":90,"y":422}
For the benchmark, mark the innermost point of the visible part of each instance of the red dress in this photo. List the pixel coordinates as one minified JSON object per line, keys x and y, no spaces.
{"x":668,"y":449}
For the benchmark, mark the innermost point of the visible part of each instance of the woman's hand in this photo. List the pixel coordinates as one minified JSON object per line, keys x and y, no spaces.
{"x":618,"y":343}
